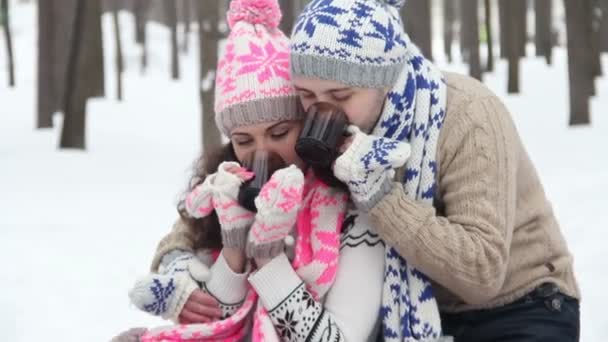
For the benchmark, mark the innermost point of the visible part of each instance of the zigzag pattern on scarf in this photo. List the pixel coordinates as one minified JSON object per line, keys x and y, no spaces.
{"x":414,"y":113}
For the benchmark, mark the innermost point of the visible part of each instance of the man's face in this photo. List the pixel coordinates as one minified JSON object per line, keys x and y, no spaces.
{"x":362,"y":106}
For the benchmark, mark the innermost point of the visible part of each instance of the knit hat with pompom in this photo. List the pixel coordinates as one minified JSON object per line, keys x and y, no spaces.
{"x":253,"y":83}
{"x":360,"y":43}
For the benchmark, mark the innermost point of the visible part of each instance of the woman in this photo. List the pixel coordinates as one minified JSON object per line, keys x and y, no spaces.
{"x":331,"y":288}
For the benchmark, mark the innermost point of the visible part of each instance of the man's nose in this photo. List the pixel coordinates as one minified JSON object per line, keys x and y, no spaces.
{"x":327,"y":99}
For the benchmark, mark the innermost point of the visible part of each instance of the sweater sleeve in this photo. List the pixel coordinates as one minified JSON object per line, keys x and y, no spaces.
{"x":226,"y":286}
{"x":349,"y":307}
{"x":467,"y":250}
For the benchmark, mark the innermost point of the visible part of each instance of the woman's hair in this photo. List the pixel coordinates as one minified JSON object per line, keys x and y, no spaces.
{"x":207,"y":229}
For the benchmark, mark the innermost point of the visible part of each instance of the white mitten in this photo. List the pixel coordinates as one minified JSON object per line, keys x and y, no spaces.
{"x":368,"y":166}
{"x":278,"y":204}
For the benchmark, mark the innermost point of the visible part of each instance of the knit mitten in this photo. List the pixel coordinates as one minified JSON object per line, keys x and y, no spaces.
{"x":278,"y":204}
{"x":219,"y":192}
{"x":368,"y":166}
{"x":166,"y":294}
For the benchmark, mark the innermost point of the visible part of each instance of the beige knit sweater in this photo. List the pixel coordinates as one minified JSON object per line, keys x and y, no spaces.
{"x":493,"y":237}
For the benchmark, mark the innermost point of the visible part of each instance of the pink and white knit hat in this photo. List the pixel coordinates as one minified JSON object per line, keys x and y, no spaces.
{"x":253,"y":83}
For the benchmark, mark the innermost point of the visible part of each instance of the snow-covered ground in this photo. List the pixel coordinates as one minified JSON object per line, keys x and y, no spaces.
{"x":76,"y":228}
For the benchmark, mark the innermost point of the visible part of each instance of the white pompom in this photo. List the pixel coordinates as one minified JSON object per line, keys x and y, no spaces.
{"x":289,"y":240}
{"x":199,"y":271}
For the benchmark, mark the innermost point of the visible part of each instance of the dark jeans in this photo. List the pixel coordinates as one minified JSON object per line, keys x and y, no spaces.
{"x":544,"y":315}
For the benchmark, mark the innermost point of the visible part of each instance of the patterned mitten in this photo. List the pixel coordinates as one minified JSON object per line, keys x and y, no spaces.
{"x":220,"y":192}
{"x":368,"y":166}
{"x":278,"y":204}
{"x":166,"y":294}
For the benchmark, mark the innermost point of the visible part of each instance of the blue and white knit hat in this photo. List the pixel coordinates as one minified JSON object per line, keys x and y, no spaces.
{"x":360,"y":43}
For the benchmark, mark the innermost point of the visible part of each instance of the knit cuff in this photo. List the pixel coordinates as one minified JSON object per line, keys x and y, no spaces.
{"x":235,"y":237}
{"x":369,"y":203}
{"x":267,"y":250}
{"x":225,"y":285}
{"x":397,"y":217}
{"x":275,"y":281}
{"x":184,"y":288}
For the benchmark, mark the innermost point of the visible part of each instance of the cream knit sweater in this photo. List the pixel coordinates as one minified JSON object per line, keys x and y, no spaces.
{"x":492,"y":236}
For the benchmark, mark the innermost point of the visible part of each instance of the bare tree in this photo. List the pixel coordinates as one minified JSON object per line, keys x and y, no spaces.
{"x":171,"y":13}
{"x":580,"y":64}
{"x":514,"y":18}
{"x":503,"y":28}
{"x":140,"y":9}
{"x":118,"y":52}
{"x":83,"y":72}
{"x":490,"y":35}
{"x":288,"y":9}
{"x":594,"y":13}
{"x":47,"y":96}
{"x":604,"y":26}
{"x":186,"y":19}
{"x":449,"y":17}
{"x":5,"y":20}
{"x":209,"y":36}
{"x":470,"y":35}
{"x":543,"y":36}
{"x":417,"y":17}
{"x":55,"y":26}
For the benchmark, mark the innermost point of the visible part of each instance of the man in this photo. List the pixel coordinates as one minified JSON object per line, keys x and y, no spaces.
{"x":467,"y":211}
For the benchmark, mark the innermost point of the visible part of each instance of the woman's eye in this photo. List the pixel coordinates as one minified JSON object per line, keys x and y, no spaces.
{"x":341,"y":97}
{"x":243,"y":142}
{"x":280,"y":134}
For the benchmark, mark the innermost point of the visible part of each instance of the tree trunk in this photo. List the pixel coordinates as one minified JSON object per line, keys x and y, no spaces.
{"x":515,"y":12}
{"x":503,"y":28}
{"x":543,"y":38}
{"x":186,"y":21}
{"x":171,"y":12}
{"x":604,"y":26}
{"x":47,"y":94}
{"x":9,"y":42}
{"x":209,"y":36}
{"x":580,"y":68}
{"x":470,"y":35}
{"x":448,"y":28}
{"x":83,"y":72}
{"x":140,"y":9}
{"x":489,"y":33}
{"x":417,"y":16}
{"x":118,"y":52}
{"x":594,"y":15}
{"x":522,"y":29}
{"x":288,"y":8}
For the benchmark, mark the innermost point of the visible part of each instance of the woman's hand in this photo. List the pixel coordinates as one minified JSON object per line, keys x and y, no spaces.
{"x":278,"y":204}
{"x":219,"y":193}
{"x":200,"y":308}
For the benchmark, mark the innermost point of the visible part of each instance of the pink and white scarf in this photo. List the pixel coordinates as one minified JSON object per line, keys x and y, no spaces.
{"x":317,"y":250}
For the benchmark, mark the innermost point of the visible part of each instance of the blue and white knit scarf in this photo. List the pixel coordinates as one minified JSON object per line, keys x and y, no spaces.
{"x":414,"y":112}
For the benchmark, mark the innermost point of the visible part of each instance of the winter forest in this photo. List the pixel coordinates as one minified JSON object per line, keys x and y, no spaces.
{"x":106,"y":104}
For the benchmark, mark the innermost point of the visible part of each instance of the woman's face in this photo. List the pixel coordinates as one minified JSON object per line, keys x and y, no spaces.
{"x":279,"y":137}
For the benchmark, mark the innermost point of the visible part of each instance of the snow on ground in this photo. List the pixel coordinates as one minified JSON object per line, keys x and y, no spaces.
{"x":76,"y":228}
